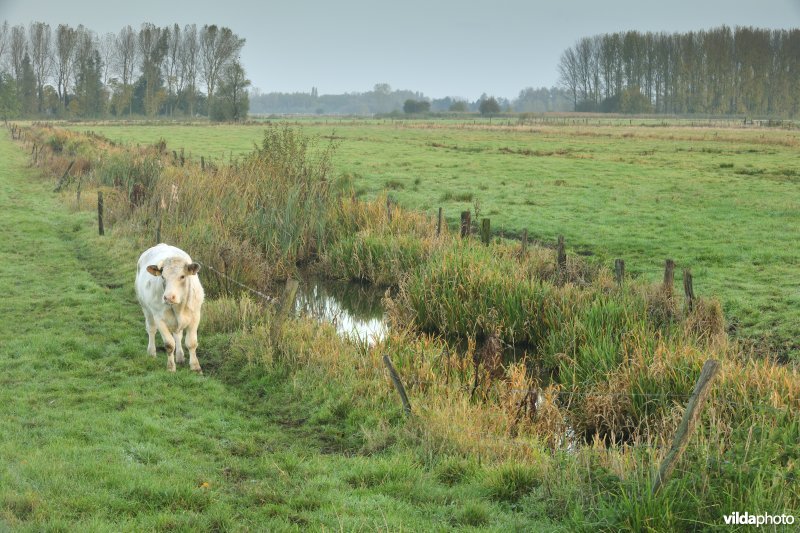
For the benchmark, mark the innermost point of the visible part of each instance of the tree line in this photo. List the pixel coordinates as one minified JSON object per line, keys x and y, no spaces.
{"x":74,"y":72}
{"x":382,"y":99}
{"x":728,"y":71}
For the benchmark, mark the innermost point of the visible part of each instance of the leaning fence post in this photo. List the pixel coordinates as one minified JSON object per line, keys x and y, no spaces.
{"x":688,"y":290}
{"x":690,"y":416}
{"x":619,"y":270}
{"x":64,"y":177}
{"x":465,"y":223}
{"x":100,"y":213}
{"x":439,"y":223}
{"x":398,"y":384}
{"x":286,"y":305}
{"x":669,"y":276}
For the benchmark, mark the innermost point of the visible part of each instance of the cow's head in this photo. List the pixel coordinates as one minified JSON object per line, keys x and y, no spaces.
{"x":175,"y":272}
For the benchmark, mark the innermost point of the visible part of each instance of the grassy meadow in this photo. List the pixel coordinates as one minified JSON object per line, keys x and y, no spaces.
{"x":296,"y":428}
{"x":97,"y":436}
{"x":718,"y":198}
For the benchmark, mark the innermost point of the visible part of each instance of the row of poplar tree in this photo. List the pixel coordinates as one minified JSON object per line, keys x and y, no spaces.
{"x":74,"y":72}
{"x":720,"y":71}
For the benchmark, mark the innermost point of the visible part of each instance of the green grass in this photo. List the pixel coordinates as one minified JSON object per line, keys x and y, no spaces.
{"x":97,"y":436}
{"x":722,"y":201}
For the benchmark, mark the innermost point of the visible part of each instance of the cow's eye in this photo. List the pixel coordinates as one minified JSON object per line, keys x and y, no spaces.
{"x":183,"y":277}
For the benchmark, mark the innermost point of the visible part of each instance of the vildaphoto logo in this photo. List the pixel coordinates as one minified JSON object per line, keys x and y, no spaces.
{"x":758,"y":520}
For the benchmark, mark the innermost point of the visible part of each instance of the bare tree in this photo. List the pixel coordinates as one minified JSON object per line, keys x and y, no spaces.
{"x":217,"y":47}
{"x":41,"y":56}
{"x":105,"y":46}
{"x":126,"y":52}
{"x":17,"y":50}
{"x":66,"y":39}
{"x":5,"y":39}
{"x":173,"y":64}
{"x":152,"y":49}
{"x":569,"y":73}
{"x":189,"y":58}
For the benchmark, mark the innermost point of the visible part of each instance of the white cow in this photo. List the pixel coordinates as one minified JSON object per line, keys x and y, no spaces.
{"x":170,"y":293}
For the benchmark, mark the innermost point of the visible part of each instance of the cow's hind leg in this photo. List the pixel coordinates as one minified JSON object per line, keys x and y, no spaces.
{"x":178,"y":336}
{"x":150,"y":325}
{"x":169,"y":344}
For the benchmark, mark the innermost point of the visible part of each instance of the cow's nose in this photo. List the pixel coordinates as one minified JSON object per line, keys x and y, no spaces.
{"x":169,"y":299}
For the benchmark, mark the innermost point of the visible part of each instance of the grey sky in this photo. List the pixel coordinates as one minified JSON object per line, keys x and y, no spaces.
{"x":441,"y":48}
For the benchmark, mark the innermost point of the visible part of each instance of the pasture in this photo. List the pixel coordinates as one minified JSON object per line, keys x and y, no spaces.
{"x":97,"y":436}
{"x":716,"y":197}
{"x":297,"y":428}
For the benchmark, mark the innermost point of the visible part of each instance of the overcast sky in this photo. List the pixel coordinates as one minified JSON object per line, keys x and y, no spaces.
{"x":441,"y":48}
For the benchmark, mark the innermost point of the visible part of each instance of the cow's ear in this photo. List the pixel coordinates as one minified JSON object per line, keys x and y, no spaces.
{"x":192,"y":268}
{"x":154,"y":270}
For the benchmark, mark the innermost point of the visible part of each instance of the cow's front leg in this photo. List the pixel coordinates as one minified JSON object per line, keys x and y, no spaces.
{"x":150,"y":325}
{"x":169,"y":344}
{"x":178,"y":337}
{"x":191,"y":343}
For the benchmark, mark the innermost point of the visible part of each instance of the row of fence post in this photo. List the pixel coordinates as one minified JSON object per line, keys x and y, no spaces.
{"x":561,"y":255}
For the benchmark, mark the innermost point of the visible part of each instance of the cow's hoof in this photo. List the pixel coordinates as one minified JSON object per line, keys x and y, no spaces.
{"x":170,"y":368}
{"x":198,"y":371}
{"x":180,"y":359}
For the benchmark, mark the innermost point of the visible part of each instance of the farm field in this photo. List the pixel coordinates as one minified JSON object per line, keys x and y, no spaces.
{"x":295,"y":428}
{"x":721,"y":200}
{"x":96,"y":436}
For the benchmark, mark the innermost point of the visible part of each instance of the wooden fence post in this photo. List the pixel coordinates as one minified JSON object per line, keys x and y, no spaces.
{"x":63,"y":179}
{"x":202,"y":163}
{"x":466,"y":223}
{"x":562,"y":254}
{"x":78,"y":192}
{"x":439,"y":223}
{"x":398,"y":384}
{"x":619,"y":270}
{"x":690,"y":416}
{"x":486,"y":231}
{"x":100,"y":213}
{"x":524,"y":242}
{"x":688,"y":290}
{"x":286,"y":305}
{"x":669,"y":276}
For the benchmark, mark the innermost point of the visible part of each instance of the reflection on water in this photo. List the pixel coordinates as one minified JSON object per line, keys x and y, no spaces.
{"x":354,"y":309}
